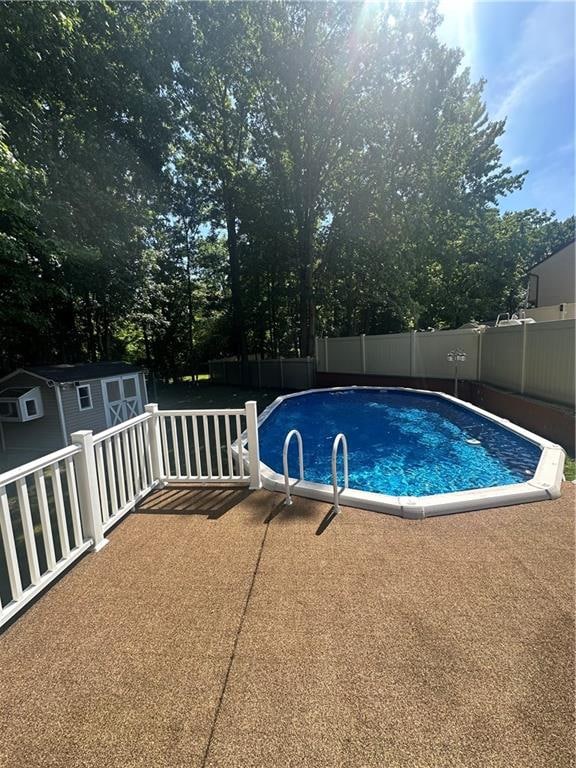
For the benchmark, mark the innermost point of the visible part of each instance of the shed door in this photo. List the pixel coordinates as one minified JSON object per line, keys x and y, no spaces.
{"x":121,"y":398}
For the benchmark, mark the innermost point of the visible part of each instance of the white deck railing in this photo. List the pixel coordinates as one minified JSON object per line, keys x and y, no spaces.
{"x":41,"y":526}
{"x":55,"y":508}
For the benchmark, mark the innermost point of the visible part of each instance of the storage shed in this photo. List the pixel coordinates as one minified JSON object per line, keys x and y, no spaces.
{"x":41,"y":406}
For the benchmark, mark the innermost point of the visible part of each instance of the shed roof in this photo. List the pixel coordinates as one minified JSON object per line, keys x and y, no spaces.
{"x":81,"y":371}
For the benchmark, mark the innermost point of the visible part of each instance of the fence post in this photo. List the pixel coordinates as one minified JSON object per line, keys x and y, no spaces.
{"x":363,"y":351}
{"x":479,"y":353}
{"x":155,"y":443}
{"x":281,"y":373}
{"x":413,"y":353}
{"x":253,"y":446}
{"x":523,"y":361}
{"x":88,"y":494}
{"x":326,"y":354}
{"x":310,"y":371}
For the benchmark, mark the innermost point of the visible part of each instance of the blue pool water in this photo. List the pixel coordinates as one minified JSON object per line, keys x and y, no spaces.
{"x":399,"y":443}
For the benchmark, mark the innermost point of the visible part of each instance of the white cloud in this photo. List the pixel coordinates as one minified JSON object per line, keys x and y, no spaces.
{"x":544,"y":50}
{"x":519,"y":161}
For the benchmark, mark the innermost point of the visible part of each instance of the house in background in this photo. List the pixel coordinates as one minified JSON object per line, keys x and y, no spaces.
{"x":552,"y":286}
{"x":41,"y":406}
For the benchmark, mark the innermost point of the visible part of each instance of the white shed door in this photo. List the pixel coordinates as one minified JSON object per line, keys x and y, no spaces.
{"x":121,"y":398}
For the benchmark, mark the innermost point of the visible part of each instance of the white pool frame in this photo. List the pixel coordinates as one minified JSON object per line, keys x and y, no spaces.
{"x":545,"y":484}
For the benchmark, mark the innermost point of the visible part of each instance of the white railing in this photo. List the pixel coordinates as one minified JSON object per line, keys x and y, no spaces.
{"x":54,"y":509}
{"x":123,"y":467}
{"x":41,"y":524}
{"x":208,"y":446}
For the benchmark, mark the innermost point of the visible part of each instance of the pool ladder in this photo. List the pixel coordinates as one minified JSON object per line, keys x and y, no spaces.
{"x":339,"y":439}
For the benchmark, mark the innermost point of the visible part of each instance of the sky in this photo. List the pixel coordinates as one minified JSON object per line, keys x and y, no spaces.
{"x":525,"y":51}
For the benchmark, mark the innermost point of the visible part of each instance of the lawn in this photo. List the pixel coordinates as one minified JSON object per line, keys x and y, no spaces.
{"x":206,"y":395}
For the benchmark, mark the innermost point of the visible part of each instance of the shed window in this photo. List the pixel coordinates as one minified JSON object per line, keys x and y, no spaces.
{"x":84,"y":397}
{"x":31,"y":409}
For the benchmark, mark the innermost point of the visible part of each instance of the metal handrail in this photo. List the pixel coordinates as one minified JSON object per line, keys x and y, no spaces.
{"x":289,"y":436}
{"x":340,"y":438}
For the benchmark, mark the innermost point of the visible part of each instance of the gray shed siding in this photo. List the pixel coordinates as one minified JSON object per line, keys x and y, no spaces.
{"x":42,"y":434}
{"x":95,"y":417}
{"x":45,"y":434}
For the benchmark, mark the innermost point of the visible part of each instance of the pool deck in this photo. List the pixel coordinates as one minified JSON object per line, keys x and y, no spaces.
{"x":219,"y":628}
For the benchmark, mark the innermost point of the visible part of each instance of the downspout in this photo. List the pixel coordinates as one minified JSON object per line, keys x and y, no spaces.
{"x":61,"y":413}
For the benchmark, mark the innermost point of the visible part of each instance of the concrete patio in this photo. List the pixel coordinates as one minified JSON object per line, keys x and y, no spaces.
{"x":219,"y":628}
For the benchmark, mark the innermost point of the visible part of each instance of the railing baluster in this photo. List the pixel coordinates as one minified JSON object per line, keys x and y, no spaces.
{"x":135,"y":461}
{"x":128,"y":465}
{"x":112,"y":487}
{"x":207,"y":446}
{"x":147,"y":428}
{"x":218,"y":444}
{"x":9,"y":546}
{"x":175,"y":446}
{"x":239,"y":447}
{"x":197,"y":456}
{"x":73,"y":496}
{"x":184,"y":423}
{"x":165,"y":454}
{"x":102,"y":482}
{"x":228,"y":446}
{"x":118,"y":467}
{"x":28,"y":529}
{"x":40,"y":484}
{"x":60,"y":509}
{"x":140,"y":436}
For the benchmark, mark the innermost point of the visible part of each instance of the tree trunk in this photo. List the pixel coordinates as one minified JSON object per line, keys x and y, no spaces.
{"x":238,"y":330}
{"x":306,"y":275}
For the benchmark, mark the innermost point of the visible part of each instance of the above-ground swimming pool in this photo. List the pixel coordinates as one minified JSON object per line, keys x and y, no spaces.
{"x":410,"y":452}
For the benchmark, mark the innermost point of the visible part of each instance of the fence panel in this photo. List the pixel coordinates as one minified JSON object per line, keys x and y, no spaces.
{"x":40,"y":527}
{"x":299,"y":373}
{"x":431,"y":350}
{"x":284,"y":373}
{"x":550,"y":361}
{"x":502,"y":357}
{"x":390,"y":353}
{"x":345,"y":355}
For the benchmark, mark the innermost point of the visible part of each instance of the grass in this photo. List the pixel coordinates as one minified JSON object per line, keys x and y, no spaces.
{"x":205,"y":395}
{"x":570,"y":468}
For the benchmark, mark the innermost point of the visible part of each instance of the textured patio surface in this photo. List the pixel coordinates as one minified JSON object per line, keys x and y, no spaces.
{"x":220,"y":629}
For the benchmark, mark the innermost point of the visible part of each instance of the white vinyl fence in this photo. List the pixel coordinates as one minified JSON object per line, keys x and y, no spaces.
{"x":400,"y":354}
{"x":534,"y":359}
{"x":55,"y":508}
{"x":282,"y":373}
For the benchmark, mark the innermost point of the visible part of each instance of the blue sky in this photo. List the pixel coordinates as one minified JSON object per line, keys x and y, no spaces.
{"x":525,"y":51}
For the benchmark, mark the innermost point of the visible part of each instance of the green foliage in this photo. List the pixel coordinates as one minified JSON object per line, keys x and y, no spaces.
{"x":187,"y":180}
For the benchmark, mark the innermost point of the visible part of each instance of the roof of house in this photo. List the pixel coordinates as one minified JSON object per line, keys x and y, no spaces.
{"x":81,"y":371}
{"x":566,"y":244}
